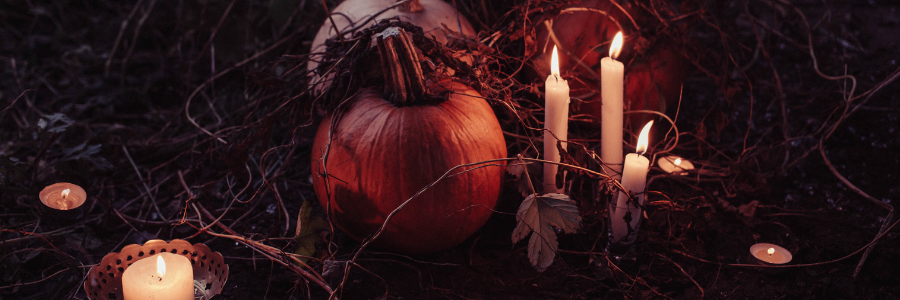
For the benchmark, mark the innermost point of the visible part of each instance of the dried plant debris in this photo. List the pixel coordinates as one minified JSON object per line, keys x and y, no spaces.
{"x":541,"y":216}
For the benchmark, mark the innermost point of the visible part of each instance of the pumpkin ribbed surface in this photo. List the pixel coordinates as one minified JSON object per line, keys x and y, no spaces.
{"x":381,"y":155}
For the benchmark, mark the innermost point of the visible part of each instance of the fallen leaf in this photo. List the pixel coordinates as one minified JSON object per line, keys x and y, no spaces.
{"x":308,"y":225}
{"x":539,"y":215}
{"x":749,"y":209}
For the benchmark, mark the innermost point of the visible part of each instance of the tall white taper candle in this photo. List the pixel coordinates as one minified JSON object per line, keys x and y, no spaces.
{"x":556,"y":120}
{"x":612,"y":85}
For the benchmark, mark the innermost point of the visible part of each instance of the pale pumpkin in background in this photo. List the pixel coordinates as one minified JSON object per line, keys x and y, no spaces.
{"x":437,"y":18}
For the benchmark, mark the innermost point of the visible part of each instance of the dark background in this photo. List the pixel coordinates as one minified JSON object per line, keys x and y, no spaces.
{"x":113,"y":84}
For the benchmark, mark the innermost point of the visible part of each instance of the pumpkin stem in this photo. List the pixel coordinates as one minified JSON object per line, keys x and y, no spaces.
{"x":410,"y":6}
{"x":404,"y":80}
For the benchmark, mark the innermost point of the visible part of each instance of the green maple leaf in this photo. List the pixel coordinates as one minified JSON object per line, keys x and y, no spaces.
{"x":539,"y":215}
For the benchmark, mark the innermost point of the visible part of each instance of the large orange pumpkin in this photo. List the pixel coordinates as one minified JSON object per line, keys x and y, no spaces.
{"x":654,"y":67}
{"x":386,"y":146}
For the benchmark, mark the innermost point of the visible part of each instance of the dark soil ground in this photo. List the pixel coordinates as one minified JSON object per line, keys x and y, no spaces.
{"x":103,"y":94}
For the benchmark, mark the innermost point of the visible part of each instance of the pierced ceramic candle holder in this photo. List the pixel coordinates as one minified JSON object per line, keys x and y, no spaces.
{"x":104,"y":281}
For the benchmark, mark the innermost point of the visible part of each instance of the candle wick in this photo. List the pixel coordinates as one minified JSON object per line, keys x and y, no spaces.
{"x":641,"y":150}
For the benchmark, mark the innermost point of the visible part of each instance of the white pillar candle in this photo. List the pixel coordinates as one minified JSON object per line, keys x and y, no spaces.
{"x":165,"y":276}
{"x":63,"y":196}
{"x":556,"y":120}
{"x":612,"y":86}
{"x":634,"y":179}
{"x":675,"y":164}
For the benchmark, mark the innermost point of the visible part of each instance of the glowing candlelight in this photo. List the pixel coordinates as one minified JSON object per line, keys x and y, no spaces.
{"x":160,"y":266}
{"x":616,"y":47}
{"x":675,"y":165}
{"x":771,"y":253}
{"x":634,"y":179}
{"x":168,"y":276}
{"x":612,"y":86}
{"x":556,"y":122}
{"x":62,"y":196}
{"x":554,"y":63}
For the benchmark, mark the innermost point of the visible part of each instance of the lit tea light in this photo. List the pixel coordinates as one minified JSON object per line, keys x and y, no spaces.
{"x":771,"y":253}
{"x":163,"y":276}
{"x":63,"y":196}
{"x":675,"y":165}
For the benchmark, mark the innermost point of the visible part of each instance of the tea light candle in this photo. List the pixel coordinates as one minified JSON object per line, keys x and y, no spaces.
{"x":63,"y":196}
{"x":165,"y":276}
{"x":634,"y":180}
{"x":612,"y":86}
{"x":675,"y":165}
{"x":556,"y":120}
{"x":771,"y":253}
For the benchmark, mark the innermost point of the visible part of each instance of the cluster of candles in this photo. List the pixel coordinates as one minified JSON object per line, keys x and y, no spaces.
{"x":162,"y":276}
{"x":632,"y":170}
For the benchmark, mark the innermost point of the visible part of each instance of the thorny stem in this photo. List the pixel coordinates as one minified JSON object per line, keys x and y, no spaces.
{"x":404,"y":80}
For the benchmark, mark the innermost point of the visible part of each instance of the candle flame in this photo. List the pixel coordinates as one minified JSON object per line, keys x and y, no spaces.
{"x":160,"y":266}
{"x":65,"y":193}
{"x":616,"y":48}
{"x":677,"y":161}
{"x":554,"y":63}
{"x":771,"y":251}
{"x":643,"y":139}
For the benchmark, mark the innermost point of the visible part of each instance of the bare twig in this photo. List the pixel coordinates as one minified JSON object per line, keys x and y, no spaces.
{"x":887,"y":220}
{"x":333,"y":25}
{"x":17,"y":99}
{"x":215,"y":30}
{"x":137,"y":32}
{"x":187,"y":104}
{"x":702,"y":293}
{"x":875,"y":240}
{"x":122,"y":27}
{"x":144,"y":183}
{"x":33,"y":282}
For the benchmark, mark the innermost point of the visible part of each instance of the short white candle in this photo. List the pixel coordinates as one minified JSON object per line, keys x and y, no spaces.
{"x":675,"y":165}
{"x":771,"y":253}
{"x":63,"y":196}
{"x":612,"y":86}
{"x":165,"y":276}
{"x":556,"y":120}
{"x":634,"y":179}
